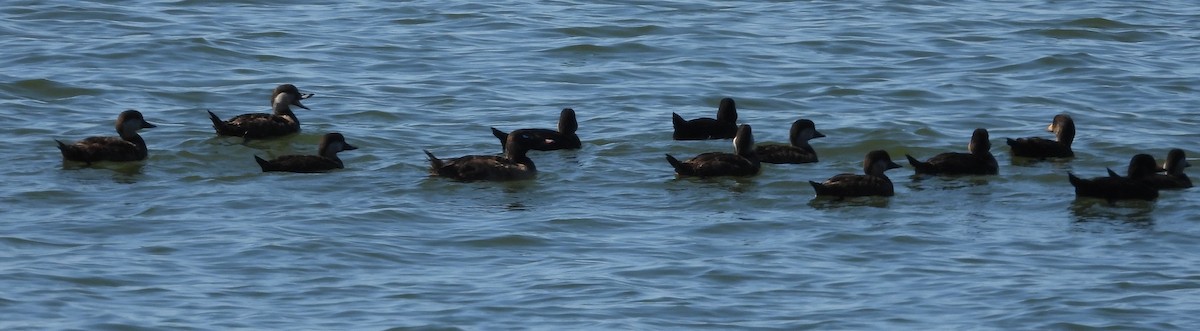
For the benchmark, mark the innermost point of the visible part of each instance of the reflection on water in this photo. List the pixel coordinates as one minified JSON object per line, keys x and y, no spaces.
{"x":1099,"y":210}
{"x":826,"y":203}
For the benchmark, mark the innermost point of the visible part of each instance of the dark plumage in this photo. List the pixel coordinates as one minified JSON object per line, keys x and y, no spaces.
{"x":1111,"y":188}
{"x":512,"y":165}
{"x":1064,"y":131}
{"x":979,"y":161}
{"x":873,"y":183}
{"x":798,"y":152}
{"x":742,"y":162}
{"x":723,"y":127}
{"x":564,"y":138}
{"x":325,"y":160}
{"x":128,"y":147}
{"x":1174,"y":178}
{"x":281,"y":122}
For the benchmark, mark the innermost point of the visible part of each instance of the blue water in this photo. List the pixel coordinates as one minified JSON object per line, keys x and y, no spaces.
{"x":196,"y":237}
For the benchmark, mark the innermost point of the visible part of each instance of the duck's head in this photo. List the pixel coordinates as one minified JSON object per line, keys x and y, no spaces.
{"x":288,"y":94}
{"x":131,"y":121}
{"x":877,"y":162}
{"x":980,"y":142}
{"x":727,"y":111}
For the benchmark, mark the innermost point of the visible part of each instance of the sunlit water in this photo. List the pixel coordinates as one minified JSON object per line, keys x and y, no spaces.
{"x":197,"y":237}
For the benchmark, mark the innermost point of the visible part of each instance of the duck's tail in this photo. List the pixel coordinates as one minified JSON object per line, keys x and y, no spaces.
{"x":1010,"y":141}
{"x":818,"y":187}
{"x":434,"y":162}
{"x":502,"y":136}
{"x":677,"y":121}
{"x":264,"y":164}
{"x":218,"y":124}
{"x":1112,"y":173}
{"x":1075,"y":181}
{"x":916,"y":164}
{"x":675,"y":163}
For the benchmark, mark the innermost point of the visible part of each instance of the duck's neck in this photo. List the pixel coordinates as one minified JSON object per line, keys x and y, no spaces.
{"x":282,"y":109}
{"x":133,"y":137}
{"x":518,"y":155}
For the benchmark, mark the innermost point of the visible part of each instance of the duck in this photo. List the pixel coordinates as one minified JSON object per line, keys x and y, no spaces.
{"x":872,"y":183}
{"x":1174,"y":178}
{"x":281,"y":122}
{"x":979,"y":160}
{"x":564,"y":138}
{"x":723,"y":127}
{"x":1136,"y":186}
{"x":742,"y":162}
{"x":1064,"y":132}
{"x":128,"y":146}
{"x":513,"y":165}
{"x":799,"y":151}
{"x":325,"y":160}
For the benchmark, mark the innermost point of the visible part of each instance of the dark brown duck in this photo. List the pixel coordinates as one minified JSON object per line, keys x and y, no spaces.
{"x":129,"y":146}
{"x":1064,"y":132}
{"x":979,"y":161}
{"x":722,"y":127}
{"x":872,"y":183}
{"x":743,"y":161}
{"x":512,"y":165}
{"x":1136,"y":186}
{"x":798,"y":152}
{"x":281,"y":122}
{"x":564,"y":138}
{"x":325,"y":160}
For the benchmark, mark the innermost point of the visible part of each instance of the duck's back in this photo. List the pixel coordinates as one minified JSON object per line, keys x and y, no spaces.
{"x":484,"y":167}
{"x":851,"y":185}
{"x":1113,"y":188}
{"x":956,"y":164}
{"x":550,"y":140}
{"x":1039,"y":148}
{"x":1162,"y":182}
{"x":95,"y":149}
{"x":782,"y":154}
{"x":702,"y":128}
{"x":258,"y":125}
{"x":299,"y":163}
{"x":716,"y":164}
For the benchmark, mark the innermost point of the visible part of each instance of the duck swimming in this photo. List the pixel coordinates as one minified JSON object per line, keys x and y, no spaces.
{"x":1134,"y":187}
{"x":979,"y":161}
{"x":723,"y":127}
{"x":129,"y":146}
{"x":512,"y":165}
{"x":325,"y":160}
{"x":1064,"y":132}
{"x":564,"y":138}
{"x":798,"y":152}
{"x":872,"y":183}
{"x":743,"y":161}
{"x":281,"y":122}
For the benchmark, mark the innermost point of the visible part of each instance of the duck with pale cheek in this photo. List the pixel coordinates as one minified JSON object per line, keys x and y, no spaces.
{"x":1034,"y":147}
{"x":564,"y":138}
{"x":325,"y":160}
{"x":1174,"y":178}
{"x":512,"y":165}
{"x":872,"y":183}
{"x":722,"y":127}
{"x":742,"y":162}
{"x":281,"y":122}
{"x":979,"y":160}
{"x":799,"y":151}
{"x":1135,"y":186}
{"x":128,"y":146}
